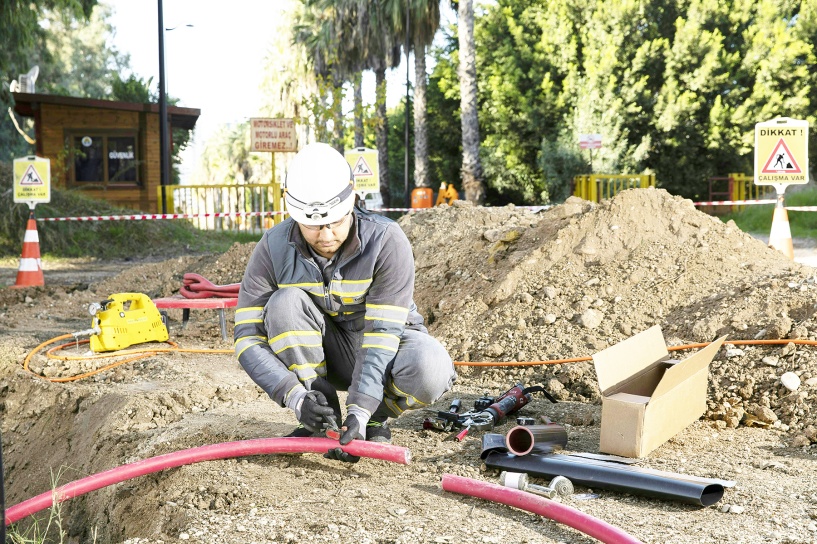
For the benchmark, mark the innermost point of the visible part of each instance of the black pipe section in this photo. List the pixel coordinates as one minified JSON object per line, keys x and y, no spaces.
{"x":525,"y":439}
{"x":613,"y":476}
{"x":492,"y":442}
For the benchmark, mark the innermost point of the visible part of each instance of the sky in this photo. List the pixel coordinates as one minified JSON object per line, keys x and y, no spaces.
{"x":215,"y":65}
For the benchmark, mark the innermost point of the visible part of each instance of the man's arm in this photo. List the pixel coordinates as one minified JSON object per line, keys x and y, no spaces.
{"x":387,"y":307}
{"x":251,"y":342}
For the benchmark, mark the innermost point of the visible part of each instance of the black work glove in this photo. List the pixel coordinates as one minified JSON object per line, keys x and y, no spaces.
{"x":350,"y":430}
{"x":314,"y":411}
{"x":337,"y":454}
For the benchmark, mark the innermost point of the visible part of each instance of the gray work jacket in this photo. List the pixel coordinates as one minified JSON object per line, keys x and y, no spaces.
{"x":371,"y":290}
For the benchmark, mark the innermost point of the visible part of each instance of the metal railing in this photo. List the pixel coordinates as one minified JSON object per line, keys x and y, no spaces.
{"x":225,"y":207}
{"x":595,"y":187}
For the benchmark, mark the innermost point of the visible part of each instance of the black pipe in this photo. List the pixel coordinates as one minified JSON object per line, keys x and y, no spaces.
{"x":613,"y":476}
{"x":525,"y":439}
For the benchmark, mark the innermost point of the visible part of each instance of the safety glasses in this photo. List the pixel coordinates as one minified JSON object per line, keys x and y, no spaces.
{"x":331,"y":226}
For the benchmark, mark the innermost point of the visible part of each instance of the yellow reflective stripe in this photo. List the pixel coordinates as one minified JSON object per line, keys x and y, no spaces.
{"x":393,"y":406}
{"x":410,"y":399}
{"x":296,"y":366}
{"x":387,"y":341}
{"x":258,"y":309}
{"x":347,"y":293}
{"x":389,"y":348}
{"x":309,"y":284}
{"x":294,"y":333}
{"x":246,"y":348}
{"x":277,"y":351}
{"x":387,"y":307}
{"x":253,"y":315}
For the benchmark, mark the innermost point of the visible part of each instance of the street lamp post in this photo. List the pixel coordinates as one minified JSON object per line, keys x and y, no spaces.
{"x":164,"y":139}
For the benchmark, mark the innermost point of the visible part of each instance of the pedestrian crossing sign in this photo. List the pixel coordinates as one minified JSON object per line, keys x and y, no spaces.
{"x":365,"y":169}
{"x":32,"y":180}
{"x":781,"y":152}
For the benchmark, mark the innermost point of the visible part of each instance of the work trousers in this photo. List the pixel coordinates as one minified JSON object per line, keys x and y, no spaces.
{"x":319,"y":350}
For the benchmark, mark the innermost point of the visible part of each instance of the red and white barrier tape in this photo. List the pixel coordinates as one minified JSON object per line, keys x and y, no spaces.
{"x":150,"y":216}
{"x":141,"y":217}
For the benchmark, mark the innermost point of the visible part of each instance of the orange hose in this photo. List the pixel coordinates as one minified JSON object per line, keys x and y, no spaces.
{"x":138,"y":354}
{"x":669,"y":348}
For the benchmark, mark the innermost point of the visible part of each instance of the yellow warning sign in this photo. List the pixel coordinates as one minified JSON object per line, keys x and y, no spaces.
{"x":781,"y":152}
{"x":365,"y":169}
{"x":32,"y":180}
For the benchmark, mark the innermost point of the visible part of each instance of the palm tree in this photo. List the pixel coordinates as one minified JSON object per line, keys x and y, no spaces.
{"x":319,"y":28}
{"x":424,"y":22}
{"x":379,"y":25}
{"x":472,"y":183}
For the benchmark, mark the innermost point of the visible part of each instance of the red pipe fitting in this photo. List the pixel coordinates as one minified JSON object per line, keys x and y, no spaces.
{"x":226,"y":450}
{"x":561,"y":513}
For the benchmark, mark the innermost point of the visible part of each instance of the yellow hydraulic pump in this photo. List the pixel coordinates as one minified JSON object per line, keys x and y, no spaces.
{"x":123,"y":320}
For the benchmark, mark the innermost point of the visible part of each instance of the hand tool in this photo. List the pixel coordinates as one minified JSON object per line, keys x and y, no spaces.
{"x":332,"y":430}
{"x":512,"y":400}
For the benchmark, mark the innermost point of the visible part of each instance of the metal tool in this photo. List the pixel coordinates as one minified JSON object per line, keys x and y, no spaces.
{"x":512,"y":400}
{"x":559,"y":486}
{"x":332,"y":430}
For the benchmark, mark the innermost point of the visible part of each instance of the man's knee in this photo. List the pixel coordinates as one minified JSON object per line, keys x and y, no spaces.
{"x":291,"y":308}
{"x":423,"y":369}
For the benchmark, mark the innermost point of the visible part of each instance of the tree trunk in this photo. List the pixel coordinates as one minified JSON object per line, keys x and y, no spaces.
{"x":382,"y":135}
{"x":472,"y":183}
{"x":337,"y":115}
{"x":358,"y":83}
{"x":420,"y":125}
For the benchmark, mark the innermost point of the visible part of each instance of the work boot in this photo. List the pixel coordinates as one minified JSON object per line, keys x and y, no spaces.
{"x":377,"y":430}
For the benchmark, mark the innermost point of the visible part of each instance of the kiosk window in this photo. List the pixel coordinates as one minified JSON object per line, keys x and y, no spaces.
{"x":105,"y":159}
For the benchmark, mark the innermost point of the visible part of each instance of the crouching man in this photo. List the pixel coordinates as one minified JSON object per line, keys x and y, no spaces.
{"x":326,"y":305}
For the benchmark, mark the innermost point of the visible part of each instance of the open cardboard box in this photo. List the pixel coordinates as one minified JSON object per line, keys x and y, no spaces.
{"x":647,"y":398}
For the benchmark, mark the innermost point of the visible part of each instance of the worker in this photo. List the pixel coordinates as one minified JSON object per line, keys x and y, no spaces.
{"x":326,"y":305}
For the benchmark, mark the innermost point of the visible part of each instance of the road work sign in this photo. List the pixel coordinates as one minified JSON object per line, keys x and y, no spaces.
{"x":32,"y":180}
{"x":365,"y":169}
{"x":781,"y":152}
{"x":272,"y":135}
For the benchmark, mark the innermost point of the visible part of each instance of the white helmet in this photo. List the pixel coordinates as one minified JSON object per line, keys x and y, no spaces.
{"x":319,"y":186}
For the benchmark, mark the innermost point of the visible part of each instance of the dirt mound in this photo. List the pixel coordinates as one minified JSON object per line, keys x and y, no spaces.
{"x":512,"y":285}
{"x":498,"y":285}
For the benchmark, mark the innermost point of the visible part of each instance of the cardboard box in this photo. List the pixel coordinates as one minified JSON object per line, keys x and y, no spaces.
{"x":647,"y":398}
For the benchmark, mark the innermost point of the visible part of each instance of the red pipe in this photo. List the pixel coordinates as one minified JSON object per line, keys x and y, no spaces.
{"x":226,"y":450}
{"x":529,"y":502}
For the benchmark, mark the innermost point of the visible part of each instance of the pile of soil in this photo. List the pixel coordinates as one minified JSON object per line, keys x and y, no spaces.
{"x":495,"y":284}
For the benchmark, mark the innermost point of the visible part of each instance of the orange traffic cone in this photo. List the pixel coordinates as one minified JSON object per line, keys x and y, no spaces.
{"x":30,"y":273}
{"x":780,"y":237}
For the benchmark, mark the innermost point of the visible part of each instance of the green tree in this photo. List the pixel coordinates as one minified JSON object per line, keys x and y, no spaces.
{"x":472,"y":180}
{"x":424,"y":20}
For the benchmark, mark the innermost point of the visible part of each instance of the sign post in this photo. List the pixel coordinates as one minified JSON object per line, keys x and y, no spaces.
{"x":591,"y":142}
{"x":273,"y":135}
{"x":32,"y":185}
{"x":32,"y":181}
{"x":365,"y":170}
{"x":781,"y":159}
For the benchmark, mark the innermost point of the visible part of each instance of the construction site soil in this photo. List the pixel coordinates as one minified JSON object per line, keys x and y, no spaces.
{"x":495,"y":285}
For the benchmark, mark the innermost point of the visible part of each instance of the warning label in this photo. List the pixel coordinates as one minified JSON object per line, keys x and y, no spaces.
{"x":781,"y":152}
{"x":31,"y":177}
{"x":781,"y":161}
{"x":361,"y":168}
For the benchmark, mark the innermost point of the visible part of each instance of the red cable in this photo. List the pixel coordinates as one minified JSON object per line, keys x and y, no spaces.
{"x":226,"y":450}
{"x":529,"y":502}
